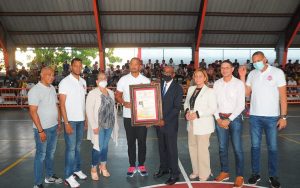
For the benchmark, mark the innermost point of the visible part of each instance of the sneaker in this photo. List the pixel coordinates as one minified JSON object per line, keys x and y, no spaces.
{"x":239,"y":182}
{"x":38,"y":186}
{"x":274,"y":182}
{"x":131,"y":171}
{"x":142,"y":170}
{"x":53,"y":179}
{"x":80,"y":175}
{"x":254,"y":179}
{"x":72,"y":182}
{"x":223,"y":176}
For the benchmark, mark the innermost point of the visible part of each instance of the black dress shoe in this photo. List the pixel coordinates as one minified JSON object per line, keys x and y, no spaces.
{"x":172,"y":181}
{"x":160,"y":173}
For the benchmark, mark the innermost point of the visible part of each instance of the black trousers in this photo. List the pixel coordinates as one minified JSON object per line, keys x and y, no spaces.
{"x":133,"y":134}
{"x":168,"y":152}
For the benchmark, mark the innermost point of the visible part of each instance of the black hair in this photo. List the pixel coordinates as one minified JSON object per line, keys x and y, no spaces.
{"x":76,"y":59}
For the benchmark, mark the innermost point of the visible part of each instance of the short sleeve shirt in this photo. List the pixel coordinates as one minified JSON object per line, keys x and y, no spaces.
{"x":75,"y":91}
{"x":123,"y":86}
{"x":45,"y":99}
{"x":265,"y":93}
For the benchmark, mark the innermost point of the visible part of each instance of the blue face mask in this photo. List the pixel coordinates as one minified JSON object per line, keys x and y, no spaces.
{"x":259,"y":65}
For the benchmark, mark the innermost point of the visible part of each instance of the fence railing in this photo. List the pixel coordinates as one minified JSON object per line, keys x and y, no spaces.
{"x":18,"y":97}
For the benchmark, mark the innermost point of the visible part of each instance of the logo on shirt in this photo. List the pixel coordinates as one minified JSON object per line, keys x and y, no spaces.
{"x":269,"y":78}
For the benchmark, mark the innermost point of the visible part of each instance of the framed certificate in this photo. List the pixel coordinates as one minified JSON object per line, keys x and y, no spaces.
{"x":146,"y":106}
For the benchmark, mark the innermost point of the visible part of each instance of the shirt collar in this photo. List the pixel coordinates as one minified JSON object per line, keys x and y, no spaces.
{"x":266,"y":71}
{"x":231,"y":80}
{"x":168,"y":83}
{"x":41,"y":84}
{"x":135,"y":77}
{"x":73,"y":77}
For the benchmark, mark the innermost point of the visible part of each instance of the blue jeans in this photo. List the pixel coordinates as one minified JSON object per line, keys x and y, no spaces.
{"x":44,"y":152}
{"x":258,"y":124}
{"x":235,"y":131}
{"x":73,"y":142}
{"x":101,"y":155}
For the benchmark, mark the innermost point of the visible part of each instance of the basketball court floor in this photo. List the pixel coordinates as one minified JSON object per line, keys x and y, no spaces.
{"x":17,"y":150}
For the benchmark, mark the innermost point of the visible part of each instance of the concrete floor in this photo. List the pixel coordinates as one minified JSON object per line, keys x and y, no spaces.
{"x":17,"y":154}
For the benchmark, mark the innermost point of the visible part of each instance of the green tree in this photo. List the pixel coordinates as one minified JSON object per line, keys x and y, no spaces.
{"x":56,"y":56}
{"x":111,"y":57}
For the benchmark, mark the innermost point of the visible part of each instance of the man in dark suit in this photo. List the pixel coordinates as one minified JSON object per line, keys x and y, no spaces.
{"x":168,"y":127}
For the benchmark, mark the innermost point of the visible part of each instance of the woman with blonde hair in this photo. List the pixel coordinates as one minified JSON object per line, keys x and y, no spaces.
{"x":102,"y":124}
{"x":200,"y":105}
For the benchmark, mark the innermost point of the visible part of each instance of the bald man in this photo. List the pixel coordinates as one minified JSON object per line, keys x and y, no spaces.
{"x":44,"y":111}
{"x":167,"y":130}
{"x":268,"y":113}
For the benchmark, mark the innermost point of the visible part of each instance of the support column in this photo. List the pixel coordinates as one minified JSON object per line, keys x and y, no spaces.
{"x":139,"y":54}
{"x":99,"y":34}
{"x":289,"y":34}
{"x":199,"y":30}
{"x":281,"y":53}
{"x":102,"y":60}
{"x":8,"y":49}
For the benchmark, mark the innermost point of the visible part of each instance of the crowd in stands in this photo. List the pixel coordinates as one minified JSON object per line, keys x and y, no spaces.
{"x":153,"y":70}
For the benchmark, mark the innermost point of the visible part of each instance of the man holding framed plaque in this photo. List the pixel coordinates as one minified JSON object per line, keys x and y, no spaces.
{"x":133,"y":133}
{"x":167,"y":131}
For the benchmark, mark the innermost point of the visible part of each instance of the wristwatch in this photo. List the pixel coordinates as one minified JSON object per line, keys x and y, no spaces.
{"x":283,"y":117}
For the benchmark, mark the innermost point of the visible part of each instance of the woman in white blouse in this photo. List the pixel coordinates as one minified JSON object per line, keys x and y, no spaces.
{"x":102,"y":124}
{"x":200,"y":105}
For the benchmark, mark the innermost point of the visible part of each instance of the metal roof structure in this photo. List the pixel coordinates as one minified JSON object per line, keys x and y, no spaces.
{"x":150,"y":23}
{"x":140,"y":23}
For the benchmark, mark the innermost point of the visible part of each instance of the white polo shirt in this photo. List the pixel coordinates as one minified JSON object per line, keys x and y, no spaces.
{"x":75,"y":91}
{"x":265,"y":93}
{"x":123,"y":86}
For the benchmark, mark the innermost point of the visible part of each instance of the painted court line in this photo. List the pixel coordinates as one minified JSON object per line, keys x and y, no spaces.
{"x":185,"y":176}
{"x":24,"y":157}
{"x":201,"y":182}
{"x":289,"y":139}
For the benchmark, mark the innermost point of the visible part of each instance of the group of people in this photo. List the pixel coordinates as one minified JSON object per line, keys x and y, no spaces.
{"x":97,"y":113}
{"x":205,"y":110}
{"x":225,"y":103}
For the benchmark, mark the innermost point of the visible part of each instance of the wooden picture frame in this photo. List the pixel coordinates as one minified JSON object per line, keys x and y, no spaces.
{"x":146,"y":105}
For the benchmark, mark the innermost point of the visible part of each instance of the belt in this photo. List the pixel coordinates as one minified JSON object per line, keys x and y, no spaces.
{"x":224,"y":115}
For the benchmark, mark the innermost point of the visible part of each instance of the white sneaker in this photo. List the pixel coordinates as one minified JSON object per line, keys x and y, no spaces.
{"x":72,"y":182}
{"x":80,"y":175}
{"x":53,"y":179}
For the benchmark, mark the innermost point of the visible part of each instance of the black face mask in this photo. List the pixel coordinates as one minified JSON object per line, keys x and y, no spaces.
{"x":166,"y":78}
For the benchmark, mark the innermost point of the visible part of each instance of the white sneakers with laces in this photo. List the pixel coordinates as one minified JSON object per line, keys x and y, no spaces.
{"x":71,"y":181}
{"x":80,"y":175}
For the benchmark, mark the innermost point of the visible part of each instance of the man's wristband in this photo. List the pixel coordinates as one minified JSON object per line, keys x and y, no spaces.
{"x":41,"y":131}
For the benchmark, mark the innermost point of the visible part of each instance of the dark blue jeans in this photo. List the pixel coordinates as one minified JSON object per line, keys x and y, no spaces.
{"x":258,"y":124}
{"x":235,"y":132}
{"x":73,"y":142}
{"x":44,"y":152}
{"x":101,"y":155}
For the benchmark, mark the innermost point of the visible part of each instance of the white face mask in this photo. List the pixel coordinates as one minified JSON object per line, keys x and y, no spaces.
{"x":102,"y":84}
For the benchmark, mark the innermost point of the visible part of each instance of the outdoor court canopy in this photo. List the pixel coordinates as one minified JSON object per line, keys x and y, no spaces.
{"x":150,"y":23}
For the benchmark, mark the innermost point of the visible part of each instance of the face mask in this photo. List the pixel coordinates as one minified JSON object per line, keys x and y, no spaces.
{"x":166,"y":78}
{"x":103,"y":84}
{"x":259,"y":65}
